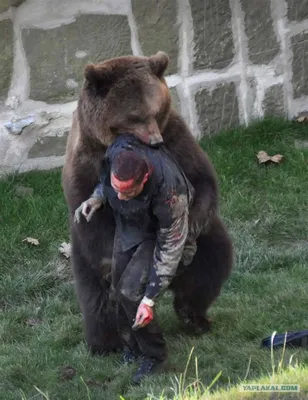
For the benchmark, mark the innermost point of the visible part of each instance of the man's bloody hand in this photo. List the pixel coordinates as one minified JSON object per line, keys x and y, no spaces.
{"x":143,"y":317}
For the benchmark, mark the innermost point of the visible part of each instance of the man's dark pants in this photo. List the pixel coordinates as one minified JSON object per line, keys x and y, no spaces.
{"x":130,"y":272}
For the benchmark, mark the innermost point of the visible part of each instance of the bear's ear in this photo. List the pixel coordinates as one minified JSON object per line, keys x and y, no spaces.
{"x":96,"y":74}
{"x":159,"y":63}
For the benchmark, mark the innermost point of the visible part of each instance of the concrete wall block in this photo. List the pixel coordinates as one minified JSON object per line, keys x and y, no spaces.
{"x":214,"y":47}
{"x":5,"y":4}
{"x":273,"y":103}
{"x":263,"y":45}
{"x":297,"y":10}
{"x":6,"y":56}
{"x":43,"y":134}
{"x":57,"y":57}
{"x":300,"y":64}
{"x":175,"y":100}
{"x":42,"y":163}
{"x":218,"y":108}
{"x":158,"y":28}
{"x":49,"y":146}
{"x":49,"y":14}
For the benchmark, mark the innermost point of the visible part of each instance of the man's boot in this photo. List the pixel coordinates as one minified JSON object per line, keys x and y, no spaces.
{"x":129,"y":356}
{"x":148,"y":366}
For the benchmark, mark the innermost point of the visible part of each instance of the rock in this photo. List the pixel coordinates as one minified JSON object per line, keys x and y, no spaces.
{"x":15,"y":126}
{"x":67,"y":373}
{"x":33,"y":321}
{"x":65,"y":249}
{"x":301,"y":144}
{"x":23,"y":191}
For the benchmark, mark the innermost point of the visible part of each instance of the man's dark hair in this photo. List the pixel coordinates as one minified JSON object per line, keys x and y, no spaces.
{"x":129,"y":165}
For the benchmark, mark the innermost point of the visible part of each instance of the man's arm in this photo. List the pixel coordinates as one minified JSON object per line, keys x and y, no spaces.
{"x":172,"y":215}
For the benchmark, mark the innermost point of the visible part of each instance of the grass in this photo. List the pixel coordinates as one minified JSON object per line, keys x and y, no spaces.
{"x":266,"y":210}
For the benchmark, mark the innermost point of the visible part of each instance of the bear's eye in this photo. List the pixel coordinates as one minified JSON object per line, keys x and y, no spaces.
{"x":136,"y":119}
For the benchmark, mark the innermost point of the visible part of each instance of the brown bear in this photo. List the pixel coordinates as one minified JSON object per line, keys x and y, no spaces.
{"x":129,"y":94}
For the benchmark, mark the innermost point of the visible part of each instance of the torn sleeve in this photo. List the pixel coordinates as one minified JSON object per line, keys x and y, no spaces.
{"x":172,"y":216}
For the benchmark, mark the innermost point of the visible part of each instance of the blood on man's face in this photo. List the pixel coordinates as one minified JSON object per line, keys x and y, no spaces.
{"x":127,"y":190}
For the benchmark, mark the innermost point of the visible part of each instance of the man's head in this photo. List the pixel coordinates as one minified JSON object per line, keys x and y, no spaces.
{"x":129,"y":172}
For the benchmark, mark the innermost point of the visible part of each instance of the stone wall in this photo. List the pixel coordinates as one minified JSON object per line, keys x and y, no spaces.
{"x":232,"y":61}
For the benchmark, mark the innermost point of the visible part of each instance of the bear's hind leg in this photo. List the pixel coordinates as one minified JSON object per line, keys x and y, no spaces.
{"x":191,"y":313}
{"x":98,"y":312}
{"x":198,"y":285}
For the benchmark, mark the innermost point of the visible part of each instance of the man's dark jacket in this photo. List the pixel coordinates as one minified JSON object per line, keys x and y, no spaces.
{"x":159,"y":212}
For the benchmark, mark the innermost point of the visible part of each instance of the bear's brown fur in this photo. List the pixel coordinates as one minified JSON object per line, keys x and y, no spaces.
{"x":129,"y":94}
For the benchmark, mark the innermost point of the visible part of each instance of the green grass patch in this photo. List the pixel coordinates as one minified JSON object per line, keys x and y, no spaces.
{"x":266,"y":209}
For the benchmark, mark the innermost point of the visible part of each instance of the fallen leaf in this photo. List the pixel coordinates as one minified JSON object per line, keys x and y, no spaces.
{"x":31,"y":240}
{"x":67,"y":373}
{"x":277,"y":158}
{"x":91,"y":382}
{"x":62,"y":269}
{"x":33,"y":321}
{"x":263,"y":157}
{"x":65,"y":249}
{"x":302,"y":118}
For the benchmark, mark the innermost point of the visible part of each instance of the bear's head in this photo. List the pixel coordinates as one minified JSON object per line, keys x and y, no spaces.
{"x":125,"y":94}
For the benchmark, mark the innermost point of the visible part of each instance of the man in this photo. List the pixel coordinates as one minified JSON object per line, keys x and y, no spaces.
{"x":150,"y":197}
